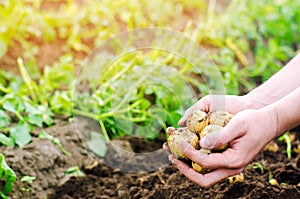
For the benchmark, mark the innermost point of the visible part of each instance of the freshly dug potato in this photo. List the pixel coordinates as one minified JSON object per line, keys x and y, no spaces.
{"x":199,"y":124}
{"x":236,"y":178}
{"x":220,"y":118}
{"x":182,"y":134}
{"x":199,"y":168}
{"x":197,"y":121}
{"x":209,"y":129}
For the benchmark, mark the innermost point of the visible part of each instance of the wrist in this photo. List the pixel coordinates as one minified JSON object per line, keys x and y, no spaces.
{"x":257,"y":100}
{"x":270,"y":113}
{"x":253,"y":101}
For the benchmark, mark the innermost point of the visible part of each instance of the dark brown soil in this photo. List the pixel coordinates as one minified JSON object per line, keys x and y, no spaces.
{"x":46,"y":161}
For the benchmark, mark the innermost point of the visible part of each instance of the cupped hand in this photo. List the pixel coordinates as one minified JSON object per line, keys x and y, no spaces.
{"x":209,"y":103}
{"x":247,"y":132}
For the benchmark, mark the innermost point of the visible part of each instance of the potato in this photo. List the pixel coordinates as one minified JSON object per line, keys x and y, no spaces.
{"x":199,"y":124}
{"x":182,"y":134}
{"x":220,"y":118}
{"x":199,"y":168}
{"x":197,"y":121}
{"x":209,"y":129}
{"x":236,"y":178}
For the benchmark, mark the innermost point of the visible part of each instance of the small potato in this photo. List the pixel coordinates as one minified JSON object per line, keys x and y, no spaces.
{"x":273,"y":181}
{"x":272,"y":146}
{"x":220,"y":118}
{"x":197,"y":121}
{"x":236,"y":178}
{"x":182,"y":134}
{"x":209,"y":129}
{"x":199,"y":168}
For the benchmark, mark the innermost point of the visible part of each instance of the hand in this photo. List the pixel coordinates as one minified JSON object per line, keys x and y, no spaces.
{"x":247,"y":132}
{"x":209,"y":103}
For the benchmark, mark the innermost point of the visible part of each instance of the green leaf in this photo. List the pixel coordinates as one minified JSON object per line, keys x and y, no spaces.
{"x":45,"y":135}
{"x":54,"y":140}
{"x":10,"y":106}
{"x":75,"y":171}
{"x":124,"y":125}
{"x":146,"y":132}
{"x":35,"y":119}
{"x":173,"y":118}
{"x":13,"y":103}
{"x":3,"y":196}
{"x":4,"y":119}
{"x":7,"y":141}
{"x":39,"y":114}
{"x":8,"y":174}
{"x":21,"y":134}
{"x":97,"y":144}
{"x":145,"y":104}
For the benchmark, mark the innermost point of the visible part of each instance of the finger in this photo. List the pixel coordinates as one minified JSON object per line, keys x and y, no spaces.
{"x":204,"y":180}
{"x":191,"y":152}
{"x":234,"y":129}
{"x":230,"y":158}
{"x":166,"y":147}
{"x":170,"y":130}
{"x":210,"y":140}
{"x":203,"y":104}
{"x":182,"y":121}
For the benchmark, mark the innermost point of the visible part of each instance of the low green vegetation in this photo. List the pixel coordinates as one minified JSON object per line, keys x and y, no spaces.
{"x":8,"y":175}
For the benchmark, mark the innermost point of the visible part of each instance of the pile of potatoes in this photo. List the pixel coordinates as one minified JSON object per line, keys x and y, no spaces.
{"x":198,"y":125}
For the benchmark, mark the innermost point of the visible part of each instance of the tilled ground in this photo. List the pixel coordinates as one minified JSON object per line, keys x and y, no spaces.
{"x":46,"y":161}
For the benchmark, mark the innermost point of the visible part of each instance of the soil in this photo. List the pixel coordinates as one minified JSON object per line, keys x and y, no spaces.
{"x":43,"y":159}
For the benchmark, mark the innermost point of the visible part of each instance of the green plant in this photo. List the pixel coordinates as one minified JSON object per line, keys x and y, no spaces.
{"x":256,"y":165}
{"x":8,"y":175}
{"x":54,"y":140}
{"x":74,"y":171}
{"x":285,"y":138}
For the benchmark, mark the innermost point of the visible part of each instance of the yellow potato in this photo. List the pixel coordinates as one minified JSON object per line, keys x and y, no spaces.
{"x":209,"y":129}
{"x":182,"y":134}
{"x":199,"y":124}
{"x":199,"y":168}
{"x":220,"y":118}
{"x":197,"y":121}
{"x":236,"y":178}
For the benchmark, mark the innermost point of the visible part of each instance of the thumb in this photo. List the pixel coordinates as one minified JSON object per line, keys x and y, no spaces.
{"x":210,"y":140}
{"x":218,"y":138}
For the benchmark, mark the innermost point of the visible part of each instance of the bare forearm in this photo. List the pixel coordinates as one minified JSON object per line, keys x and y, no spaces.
{"x":278,"y":86}
{"x":287,"y":111}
